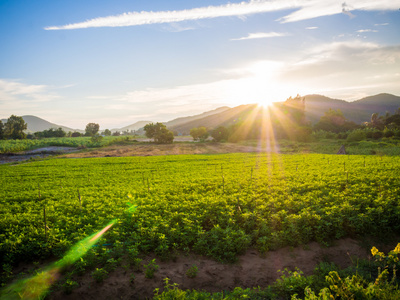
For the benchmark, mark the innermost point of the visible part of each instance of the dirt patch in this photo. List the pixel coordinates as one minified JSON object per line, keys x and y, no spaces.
{"x":251,"y":270}
{"x":169,"y":149}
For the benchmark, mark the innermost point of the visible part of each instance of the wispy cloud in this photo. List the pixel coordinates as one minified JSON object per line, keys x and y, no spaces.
{"x":341,"y":65}
{"x":366,"y":30}
{"x":306,"y":9}
{"x":17,"y":97}
{"x":311,"y":28}
{"x":382,"y":24}
{"x":261,"y":35}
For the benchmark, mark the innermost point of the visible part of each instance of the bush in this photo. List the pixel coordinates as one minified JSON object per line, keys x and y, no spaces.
{"x":356,"y":136}
{"x":377,"y":135}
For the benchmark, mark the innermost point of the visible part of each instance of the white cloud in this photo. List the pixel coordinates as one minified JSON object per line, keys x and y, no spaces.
{"x":261,"y":35}
{"x":335,"y":67}
{"x":311,"y":28}
{"x":366,"y":30}
{"x":20,"y":98}
{"x":306,"y":9}
{"x":382,"y":24}
{"x":11,"y":90}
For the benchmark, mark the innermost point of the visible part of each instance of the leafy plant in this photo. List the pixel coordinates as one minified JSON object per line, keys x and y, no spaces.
{"x":150,"y":269}
{"x":99,"y":274}
{"x":192,"y":271}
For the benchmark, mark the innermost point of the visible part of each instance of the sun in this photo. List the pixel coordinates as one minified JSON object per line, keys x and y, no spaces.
{"x":259,"y":84}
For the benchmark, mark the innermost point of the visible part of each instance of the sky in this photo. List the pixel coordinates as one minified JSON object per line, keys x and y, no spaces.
{"x":117,"y":62}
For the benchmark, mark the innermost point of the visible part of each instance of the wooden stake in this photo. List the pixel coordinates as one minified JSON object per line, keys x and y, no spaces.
{"x":80,"y":201}
{"x":45,"y":223}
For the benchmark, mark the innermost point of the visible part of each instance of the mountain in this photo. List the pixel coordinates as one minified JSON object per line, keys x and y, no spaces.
{"x":225,"y":118}
{"x":183,"y":120}
{"x":358,"y":111}
{"x":135,"y":126}
{"x":315,"y":106}
{"x":38,"y":124}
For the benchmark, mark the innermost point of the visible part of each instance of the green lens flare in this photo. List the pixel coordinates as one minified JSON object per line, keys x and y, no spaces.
{"x":36,"y":287}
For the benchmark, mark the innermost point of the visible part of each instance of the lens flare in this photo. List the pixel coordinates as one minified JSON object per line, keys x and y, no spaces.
{"x":36,"y":287}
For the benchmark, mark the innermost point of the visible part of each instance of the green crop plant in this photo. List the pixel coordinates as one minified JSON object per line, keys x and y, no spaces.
{"x":150,"y":269}
{"x":99,"y":274}
{"x":192,"y":271}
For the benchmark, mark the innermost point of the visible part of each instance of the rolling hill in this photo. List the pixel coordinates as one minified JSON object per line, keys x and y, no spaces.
{"x":315,"y":106}
{"x":38,"y":124}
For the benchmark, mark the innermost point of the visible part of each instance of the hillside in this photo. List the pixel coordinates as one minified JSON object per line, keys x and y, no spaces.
{"x":315,"y":106}
{"x":135,"y":126}
{"x":358,"y":111}
{"x":183,"y":120}
{"x":225,"y":118}
{"x":38,"y":124}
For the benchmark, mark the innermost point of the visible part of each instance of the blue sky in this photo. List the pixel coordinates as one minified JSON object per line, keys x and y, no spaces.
{"x":117,"y":62}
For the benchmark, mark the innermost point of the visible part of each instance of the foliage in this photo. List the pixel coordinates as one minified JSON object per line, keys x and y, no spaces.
{"x":7,"y":146}
{"x":220,"y":134}
{"x":69,"y":285}
{"x":150,"y":269}
{"x":192,"y":271}
{"x":91,"y":129}
{"x":334,"y":121}
{"x":14,"y":128}
{"x":159,"y":133}
{"x":215,"y":205}
{"x":356,"y":136}
{"x":99,"y":274}
{"x":50,"y":133}
{"x":199,"y":133}
{"x":1,"y":130}
{"x":107,"y":132}
{"x":96,"y":138}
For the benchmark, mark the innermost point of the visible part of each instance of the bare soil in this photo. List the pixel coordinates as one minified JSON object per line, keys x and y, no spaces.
{"x":251,"y":270}
{"x":168,"y":149}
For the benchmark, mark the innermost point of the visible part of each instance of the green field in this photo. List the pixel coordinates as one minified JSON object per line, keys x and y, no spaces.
{"x":215,"y":205}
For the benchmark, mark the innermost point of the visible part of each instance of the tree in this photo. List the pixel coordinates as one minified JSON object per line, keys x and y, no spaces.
{"x":107,"y":132}
{"x":1,"y":130}
{"x":14,"y":128}
{"x":75,"y":134}
{"x":159,"y":133}
{"x":200,"y":133}
{"x":220,"y":134}
{"x":92,"y":129}
{"x":334,"y":121}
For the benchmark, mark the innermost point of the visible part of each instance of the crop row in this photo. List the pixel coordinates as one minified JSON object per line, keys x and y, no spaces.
{"x":217,"y":205}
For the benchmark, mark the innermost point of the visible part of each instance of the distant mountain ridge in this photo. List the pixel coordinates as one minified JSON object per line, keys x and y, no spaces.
{"x":358,"y":111}
{"x":315,"y":106}
{"x":38,"y":124}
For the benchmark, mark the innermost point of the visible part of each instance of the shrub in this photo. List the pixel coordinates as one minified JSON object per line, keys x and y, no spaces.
{"x":356,"y":136}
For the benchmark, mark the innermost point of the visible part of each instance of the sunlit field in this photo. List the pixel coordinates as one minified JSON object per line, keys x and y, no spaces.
{"x":215,"y":205}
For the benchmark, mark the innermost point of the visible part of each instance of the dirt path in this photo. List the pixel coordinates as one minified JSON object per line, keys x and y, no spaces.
{"x":252,"y":270}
